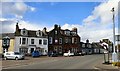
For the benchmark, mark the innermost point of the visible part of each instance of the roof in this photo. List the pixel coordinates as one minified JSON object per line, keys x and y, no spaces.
{"x":62,"y":32}
{"x":97,"y":45}
{"x":31,"y":33}
{"x":11,"y":35}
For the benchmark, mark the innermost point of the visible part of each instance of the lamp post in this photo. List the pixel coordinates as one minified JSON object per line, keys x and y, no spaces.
{"x":5,"y":43}
{"x":114,"y":54}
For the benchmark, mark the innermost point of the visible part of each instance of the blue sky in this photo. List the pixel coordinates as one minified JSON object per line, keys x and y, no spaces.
{"x":88,"y":17}
{"x":61,"y":13}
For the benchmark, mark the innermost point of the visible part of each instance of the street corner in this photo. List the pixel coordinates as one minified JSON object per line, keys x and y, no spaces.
{"x":102,"y":66}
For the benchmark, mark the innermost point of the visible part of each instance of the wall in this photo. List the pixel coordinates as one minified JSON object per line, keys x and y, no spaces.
{"x":0,"y":46}
{"x":36,"y":43}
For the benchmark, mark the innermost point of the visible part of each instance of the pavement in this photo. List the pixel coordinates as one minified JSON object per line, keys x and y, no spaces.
{"x":106,"y":67}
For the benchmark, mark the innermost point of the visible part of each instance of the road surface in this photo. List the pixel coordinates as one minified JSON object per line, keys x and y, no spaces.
{"x":75,"y":62}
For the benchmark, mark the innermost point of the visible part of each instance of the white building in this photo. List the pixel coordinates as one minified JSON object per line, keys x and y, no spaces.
{"x":26,"y":41}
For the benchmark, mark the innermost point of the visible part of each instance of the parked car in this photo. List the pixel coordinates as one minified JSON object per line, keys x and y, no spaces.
{"x":52,"y":54}
{"x":68,"y":54}
{"x":13,"y":55}
{"x":36,"y":54}
{"x":81,"y":54}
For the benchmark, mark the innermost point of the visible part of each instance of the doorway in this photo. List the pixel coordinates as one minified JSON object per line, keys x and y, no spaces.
{"x":32,"y":49}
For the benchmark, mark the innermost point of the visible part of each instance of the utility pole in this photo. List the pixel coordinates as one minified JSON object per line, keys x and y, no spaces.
{"x":114,"y":54}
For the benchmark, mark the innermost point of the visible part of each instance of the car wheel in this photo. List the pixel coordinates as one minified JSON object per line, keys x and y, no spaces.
{"x":5,"y":58}
{"x":16,"y":58}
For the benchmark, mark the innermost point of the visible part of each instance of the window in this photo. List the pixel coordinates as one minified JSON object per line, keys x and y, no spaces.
{"x":74,"y":33}
{"x":23,"y":31}
{"x":23,"y":50}
{"x":89,"y":45}
{"x":17,"y":53}
{"x":41,"y":50}
{"x":60,"y":50}
{"x":56,"y":40}
{"x":55,"y":32}
{"x":7,"y":53}
{"x":75,"y":40}
{"x":72,"y":40}
{"x":60,"y":40}
{"x":66,"y":40}
{"x":32,"y":41}
{"x":40,"y":41}
{"x":20,"y":40}
{"x":67,"y":32}
{"x":83,"y":45}
{"x":23,"y":40}
{"x":50,"y":40}
{"x":45,"y":42}
{"x":39,"y":33}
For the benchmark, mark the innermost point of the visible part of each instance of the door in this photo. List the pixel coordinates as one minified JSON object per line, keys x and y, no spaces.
{"x":32,"y":49}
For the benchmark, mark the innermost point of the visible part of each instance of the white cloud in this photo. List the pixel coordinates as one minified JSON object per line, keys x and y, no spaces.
{"x":95,"y":27}
{"x":10,"y":25}
{"x":98,"y":25}
{"x":17,"y":9}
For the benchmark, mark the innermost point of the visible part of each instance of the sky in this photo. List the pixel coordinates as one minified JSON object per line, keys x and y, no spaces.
{"x":92,"y":19}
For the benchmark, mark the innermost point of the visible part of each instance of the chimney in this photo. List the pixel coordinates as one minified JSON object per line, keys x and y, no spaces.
{"x":17,"y":32}
{"x":59,"y":27}
{"x":74,"y":29}
{"x":55,"y":26}
{"x":17,"y":27}
{"x":87,"y":41}
{"x":44,"y":30}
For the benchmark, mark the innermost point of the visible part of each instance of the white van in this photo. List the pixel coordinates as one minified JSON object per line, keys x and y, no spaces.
{"x":13,"y":55}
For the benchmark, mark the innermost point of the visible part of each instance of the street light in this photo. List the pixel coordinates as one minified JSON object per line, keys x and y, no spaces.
{"x":114,"y":54}
{"x":5,"y":43}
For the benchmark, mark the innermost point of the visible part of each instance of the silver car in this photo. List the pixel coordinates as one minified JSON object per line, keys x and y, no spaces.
{"x":13,"y":55}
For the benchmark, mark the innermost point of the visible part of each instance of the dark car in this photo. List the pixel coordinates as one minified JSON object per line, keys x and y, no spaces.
{"x":36,"y":54}
{"x":52,"y":54}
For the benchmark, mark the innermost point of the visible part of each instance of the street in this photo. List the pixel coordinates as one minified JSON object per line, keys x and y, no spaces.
{"x":75,"y":62}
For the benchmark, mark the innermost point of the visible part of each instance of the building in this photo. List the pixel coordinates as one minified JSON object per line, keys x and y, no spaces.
{"x":26,"y":41}
{"x":86,"y":47}
{"x":62,"y":41}
{"x":97,"y":49}
{"x":91,"y":48}
{"x":12,"y":41}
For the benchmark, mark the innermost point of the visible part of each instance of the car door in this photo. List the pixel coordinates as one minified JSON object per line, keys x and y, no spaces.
{"x":8,"y":55}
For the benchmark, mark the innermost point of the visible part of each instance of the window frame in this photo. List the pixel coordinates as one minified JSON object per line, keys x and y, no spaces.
{"x":39,"y":41}
{"x":32,"y":41}
{"x":50,"y":40}
{"x":60,"y":40}
{"x":23,"y":41}
{"x":44,"y":42}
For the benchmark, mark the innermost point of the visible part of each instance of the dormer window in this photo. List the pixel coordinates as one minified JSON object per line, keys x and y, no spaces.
{"x":67,"y":32}
{"x":39,"y":33}
{"x":24,"y":32}
{"x":74,"y":33}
